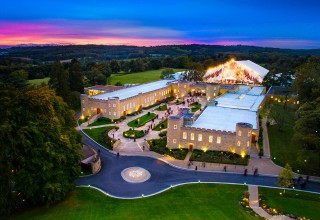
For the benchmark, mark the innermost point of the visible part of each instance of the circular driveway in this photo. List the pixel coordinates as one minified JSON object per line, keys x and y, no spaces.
{"x":163,"y":176}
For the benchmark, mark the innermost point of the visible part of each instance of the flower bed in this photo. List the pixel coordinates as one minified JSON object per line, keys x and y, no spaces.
{"x":133,"y":133}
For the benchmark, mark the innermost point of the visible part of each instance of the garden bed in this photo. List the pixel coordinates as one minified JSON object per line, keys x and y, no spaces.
{"x":138,"y":122}
{"x":196,"y":106}
{"x":159,"y":146}
{"x":133,"y":133}
{"x":161,"y":108}
{"x":219,"y":157}
{"x":105,"y":121}
{"x":162,"y":125}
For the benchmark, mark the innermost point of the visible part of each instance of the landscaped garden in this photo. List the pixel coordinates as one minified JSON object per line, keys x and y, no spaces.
{"x":160,"y":146}
{"x":300,"y":204}
{"x":195,"y":201}
{"x":105,"y":121}
{"x":133,"y":133}
{"x":284,"y":149}
{"x":195,"y":106}
{"x":162,"y":125}
{"x":161,"y":108}
{"x":138,"y":122}
{"x":219,"y":157}
{"x":100,"y":135}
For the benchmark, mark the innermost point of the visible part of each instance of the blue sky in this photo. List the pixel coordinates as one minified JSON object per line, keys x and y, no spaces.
{"x":285,"y":24}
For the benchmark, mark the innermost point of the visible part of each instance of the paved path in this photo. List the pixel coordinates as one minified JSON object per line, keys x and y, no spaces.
{"x":163,"y":175}
{"x":266,"y":146}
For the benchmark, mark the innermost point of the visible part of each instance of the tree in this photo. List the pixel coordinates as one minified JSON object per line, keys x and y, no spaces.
{"x":59,"y":80}
{"x":39,"y":147}
{"x":195,"y":72}
{"x":307,"y":82}
{"x":115,"y":66}
{"x":285,"y":178}
{"x":307,"y":126}
{"x":104,"y":68}
{"x":100,"y":79}
{"x":19,"y":78}
{"x":166,"y":73}
{"x":75,"y":76}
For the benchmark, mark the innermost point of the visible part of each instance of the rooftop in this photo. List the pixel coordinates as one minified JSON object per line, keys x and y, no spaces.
{"x":134,"y":90}
{"x":253,"y":66}
{"x":224,"y":119}
{"x":105,"y":88}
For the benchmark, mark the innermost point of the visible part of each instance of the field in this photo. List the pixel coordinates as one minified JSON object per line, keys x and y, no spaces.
{"x":292,"y":202}
{"x":285,"y":150}
{"x":140,"y":77}
{"x":197,"y":201}
{"x":38,"y":82}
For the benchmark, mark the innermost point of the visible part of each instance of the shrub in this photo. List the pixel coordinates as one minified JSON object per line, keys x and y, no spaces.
{"x":163,"y":134}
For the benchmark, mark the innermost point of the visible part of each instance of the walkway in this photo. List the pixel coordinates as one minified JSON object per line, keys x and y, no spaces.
{"x":254,"y":204}
{"x":266,"y":146}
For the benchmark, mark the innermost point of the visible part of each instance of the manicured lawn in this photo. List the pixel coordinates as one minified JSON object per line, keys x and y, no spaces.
{"x":38,"y":82}
{"x":219,"y":157}
{"x":98,"y":134}
{"x":160,"y":146}
{"x":292,"y":202}
{"x":162,"y":125}
{"x":285,"y":150}
{"x":133,"y":134}
{"x":196,"y":201}
{"x":102,"y":121}
{"x":196,"y":106}
{"x":161,"y":108}
{"x":142,"y":120}
{"x":134,"y":78}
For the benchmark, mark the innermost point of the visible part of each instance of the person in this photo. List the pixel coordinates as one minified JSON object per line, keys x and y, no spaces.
{"x":255,"y":172}
{"x":143,"y":147}
{"x":189,"y":165}
{"x":225,"y":168}
{"x":307,"y":178}
{"x":245,"y":172}
{"x":98,"y":151}
{"x":118,"y":154}
{"x":303,"y":185}
{"x":196,"y":168}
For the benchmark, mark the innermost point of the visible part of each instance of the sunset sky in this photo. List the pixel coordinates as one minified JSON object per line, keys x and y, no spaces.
{"x":272,"y":23}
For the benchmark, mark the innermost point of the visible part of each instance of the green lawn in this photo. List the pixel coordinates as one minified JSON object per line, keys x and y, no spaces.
{"x":138,"y":122}
{"x":195,"y":106}
{"x":97,"y":134}
{"x":161,"y":108}
{"x":292,"y":202}
{"x":285,"y":150}
{"x":38,"y":82}
{"x":196,"y":201}
{"x":161,"y":125}
{"x":102,"y":121}
{"x":141,"y":77}
{"x":133,"y":133}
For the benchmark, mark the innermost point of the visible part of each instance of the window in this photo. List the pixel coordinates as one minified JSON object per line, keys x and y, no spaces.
{"x":124,"y":108}
{"x":249,"y":133}
{"x":185,"y":86}
{"x":184,"y":135}
{"x":109,"y":105}
{"x":145,"y":100}
{"x":214,"y":94}
{"x":83,"y":101}
{"x":114,"y":105}
{"x":109,"y":113}
{"x":155,"y":94}
{"x":239,"y":133}
{"x":174,"y":126}
{"x":127,"y":106}
{"x":199,"y":137}
{"x":130,"y":105}
{"x":218,"y":140}
{"x":83,"y":109}
{"x":192,"y":136}
{"x":174,"y":140}
{"x":214,"y":88}
{"x":134,"y":104}
{"x":239,"y":143}
{"x":210,"y":138}
{"x":248,"y":143}
{"x":114,"y":113}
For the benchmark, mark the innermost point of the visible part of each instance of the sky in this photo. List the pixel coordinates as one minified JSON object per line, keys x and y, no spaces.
{"x":274,"y":23}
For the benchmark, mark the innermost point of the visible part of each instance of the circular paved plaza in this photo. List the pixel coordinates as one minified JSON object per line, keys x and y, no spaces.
{"x":135,"y":174}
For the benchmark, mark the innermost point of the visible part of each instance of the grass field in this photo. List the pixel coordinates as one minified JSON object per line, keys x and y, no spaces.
{"x":285,"y":150}
{"x":197,"y":201}
{"x":38,"y":82}
{"x":140,"y":77}
{"x":292,"y":202}
{"x":97,"y":134}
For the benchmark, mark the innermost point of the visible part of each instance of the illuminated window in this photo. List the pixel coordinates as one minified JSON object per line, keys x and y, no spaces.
{"x":210,"y":138}
{"x":184,"y":135}
{"x":155,"y":94}
{"x":185,"y":86}
{"x":175,"y":126}
{"x":124,"y":108}
{"x":214,"y":94}
{"x":114,"y":113}
{"x":127,"y":106}
{"x":192,"y":136}
{"x":134,"y":104}
{"x":239,"y":143}
{"x":130,"y":105}
{"x":174,"y":140}
{"x":249,"y":133}
{"x":199,"y":137}
{"x":239,"y":133}
{"x":248,"y":143}
{"x":218,"y":140}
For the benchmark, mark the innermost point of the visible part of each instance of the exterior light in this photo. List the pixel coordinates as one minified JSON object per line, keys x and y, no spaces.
{"x":305,"y":161}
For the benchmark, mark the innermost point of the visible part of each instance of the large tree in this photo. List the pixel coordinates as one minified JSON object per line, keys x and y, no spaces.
{"x":307,"y":82}
{"x":76,"y":76}
{"x":115,"y":66}
{"x":39,"y":147}
{"x":59,"y":80}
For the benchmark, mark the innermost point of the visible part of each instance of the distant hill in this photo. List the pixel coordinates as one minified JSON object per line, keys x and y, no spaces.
{"x":107,"y":52}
